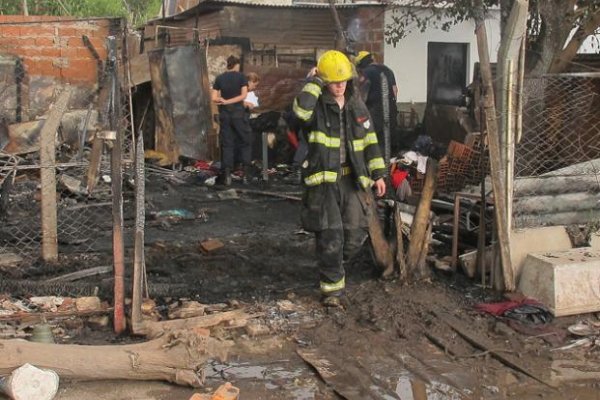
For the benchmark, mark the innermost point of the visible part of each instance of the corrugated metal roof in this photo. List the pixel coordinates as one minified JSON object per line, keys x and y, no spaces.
{"x":299,"y":3}
{"x":185,"y":7}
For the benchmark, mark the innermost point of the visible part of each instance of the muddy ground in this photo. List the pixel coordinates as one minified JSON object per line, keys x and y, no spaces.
{"x":393,"y":341}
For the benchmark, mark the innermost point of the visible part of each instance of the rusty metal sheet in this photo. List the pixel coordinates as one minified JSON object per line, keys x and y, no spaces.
{"x":278,"y":86}
{"x":181,"y":96}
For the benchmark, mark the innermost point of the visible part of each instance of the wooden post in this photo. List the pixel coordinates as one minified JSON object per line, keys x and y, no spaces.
{"x":510,"y":143}
{"x":116,"y":173}
{"x":381,"y":247}
{"x":419,"y":241}
{"x":498,"y":170}
{"x":510,"y":48}
{"x":48,"y":177}
{"x":481,"y":259}
{"x":340,"y":39}
{"x":265,"y":157}
{"x":455,"y":232}
{"x":118,"y":246}
{"x":139,"y":265}
{"x":94,"y":165}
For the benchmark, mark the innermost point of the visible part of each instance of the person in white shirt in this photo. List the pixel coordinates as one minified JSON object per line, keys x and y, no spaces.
{"x":251,"y":100}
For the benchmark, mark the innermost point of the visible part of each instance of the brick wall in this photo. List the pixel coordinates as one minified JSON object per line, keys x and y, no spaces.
{"x":53,"y":46}
{"x":372,"y":39}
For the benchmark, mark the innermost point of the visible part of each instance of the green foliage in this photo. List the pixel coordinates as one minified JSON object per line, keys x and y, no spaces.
{"x":137,"y":11}
{"x":418,"y":15}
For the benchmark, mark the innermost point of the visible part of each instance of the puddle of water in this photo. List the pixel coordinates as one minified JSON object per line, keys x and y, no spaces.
{"x":248,"y":371}
{"x":297,"y":382}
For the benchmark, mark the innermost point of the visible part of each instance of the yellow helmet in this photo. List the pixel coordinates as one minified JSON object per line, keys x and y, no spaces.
{"x":361,"y":56}
{"x":334,"y":66}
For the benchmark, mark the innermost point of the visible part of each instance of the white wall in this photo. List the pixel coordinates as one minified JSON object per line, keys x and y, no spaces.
{"x":591,"y":45}
{"x":408,"y":59}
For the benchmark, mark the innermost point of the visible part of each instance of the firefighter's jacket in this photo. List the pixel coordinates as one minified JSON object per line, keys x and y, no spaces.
{"x":322,"y":168}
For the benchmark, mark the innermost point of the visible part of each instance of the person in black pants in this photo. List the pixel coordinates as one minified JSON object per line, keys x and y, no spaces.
{"x":229,"y":91}
{"x":371,"y":76}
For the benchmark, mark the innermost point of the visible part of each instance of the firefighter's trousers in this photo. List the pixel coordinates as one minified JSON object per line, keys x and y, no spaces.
{"x":344,"y":236}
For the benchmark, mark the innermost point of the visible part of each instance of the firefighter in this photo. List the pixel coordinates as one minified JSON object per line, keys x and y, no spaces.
{"x":343,"y":162}
{"x":371,"y":76}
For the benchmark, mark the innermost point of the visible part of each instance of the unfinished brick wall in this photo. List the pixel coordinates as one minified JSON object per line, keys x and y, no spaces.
{"x":53,"y":47}
{"x":372,"y":39}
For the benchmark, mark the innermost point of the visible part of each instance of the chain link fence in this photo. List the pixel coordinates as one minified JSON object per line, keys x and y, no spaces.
{"x":557,"y":159}
{"x":95,"y":122}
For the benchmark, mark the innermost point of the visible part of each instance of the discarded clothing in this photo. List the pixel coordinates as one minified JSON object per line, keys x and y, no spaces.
{"x":398,"y":176}
{"x":526,"y":311}
{"x":423,"y":144}
{"x":412,"y":158}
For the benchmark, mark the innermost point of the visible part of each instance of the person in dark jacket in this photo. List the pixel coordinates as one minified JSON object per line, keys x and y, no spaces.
{"x":343,"y":162}
{"x":372,"y":76}
{"x":229,"y":91}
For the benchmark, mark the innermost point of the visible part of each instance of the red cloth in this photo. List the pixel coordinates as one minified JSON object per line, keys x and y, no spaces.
{"x":503,"y":306}
{"x":201,"y":164}
{"x":398,"y":176}
{"x":293,"y":139}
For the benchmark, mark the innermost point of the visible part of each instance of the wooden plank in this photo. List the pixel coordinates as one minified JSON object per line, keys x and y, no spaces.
{"x":155,"y":329}
{"x":497,"y":167}
{"x":116,"y":174}
{"x":94,"y":166}
{"x":381,"y":247}
{"x":488,"y":346}
{"x":400,"y":256}
{"x":48,"y":177}
{"x":270,"y":194}
{"x":31,"y":317}
{"x":510,"y":48}
{"x":73,"y":276}
{"x":118,"y":244}
{"x":139,"y":262}
{"x":347,"y":380}
{"x":419,"y":241}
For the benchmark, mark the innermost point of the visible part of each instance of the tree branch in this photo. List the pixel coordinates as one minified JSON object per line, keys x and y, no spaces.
{"x":564,"y":58}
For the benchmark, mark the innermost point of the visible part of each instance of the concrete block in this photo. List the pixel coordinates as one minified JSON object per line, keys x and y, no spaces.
{"x":536,"y":240}
{"x":567,"y":282}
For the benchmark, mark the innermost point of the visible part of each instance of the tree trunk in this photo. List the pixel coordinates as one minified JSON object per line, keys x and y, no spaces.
{"x":563,"y":58}
{"x":176,"y":357}
{"x":564,"y":202}
{"x":557,"y":22}
{"x":553,"y":185}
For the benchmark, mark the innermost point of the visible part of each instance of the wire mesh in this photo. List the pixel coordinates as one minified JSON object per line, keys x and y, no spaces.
{"x":83,"y":187}
{"x":557,"y":161}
